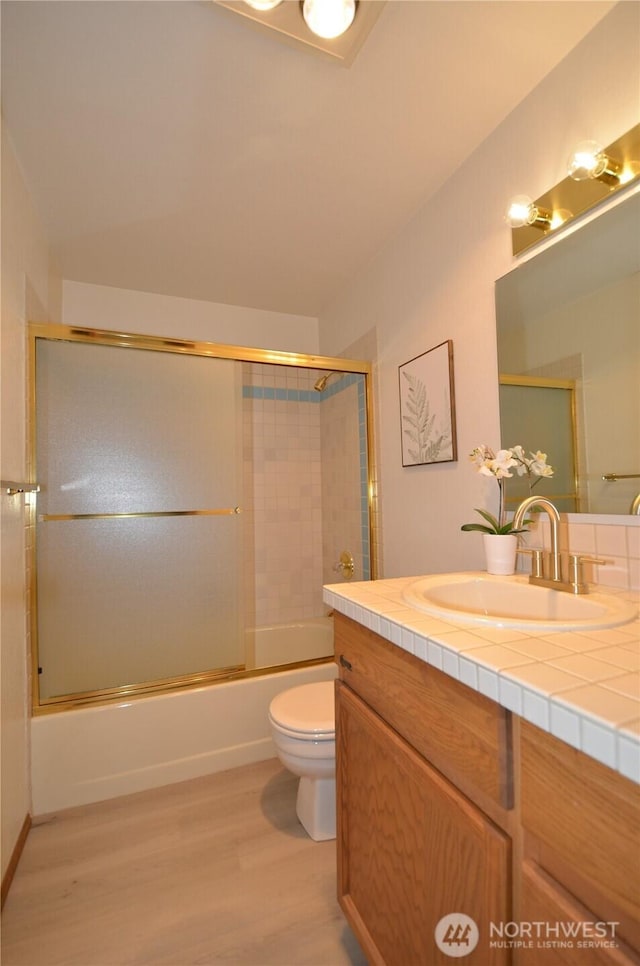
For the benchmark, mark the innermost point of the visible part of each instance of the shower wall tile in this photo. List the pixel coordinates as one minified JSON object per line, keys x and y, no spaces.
{"x":344,"y":477}
{"x":283,"y":473}
{"x":305,"y":477}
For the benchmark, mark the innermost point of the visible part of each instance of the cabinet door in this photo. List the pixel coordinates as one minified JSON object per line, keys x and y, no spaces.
{"x":563,"y":932}
{"x":582,"y":825}
{"x":411,"y":848}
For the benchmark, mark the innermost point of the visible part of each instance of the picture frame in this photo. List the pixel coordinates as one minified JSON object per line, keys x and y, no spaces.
{"x":427,"y":407}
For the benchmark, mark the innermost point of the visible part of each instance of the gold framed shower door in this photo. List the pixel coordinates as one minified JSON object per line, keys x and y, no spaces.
{"x":54,"y":332}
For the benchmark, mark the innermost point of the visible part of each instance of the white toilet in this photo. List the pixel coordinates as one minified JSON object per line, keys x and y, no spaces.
{"x":303,"y":729}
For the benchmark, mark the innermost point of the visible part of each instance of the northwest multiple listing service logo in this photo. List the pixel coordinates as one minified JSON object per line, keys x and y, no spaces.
{"x":457,"y":935}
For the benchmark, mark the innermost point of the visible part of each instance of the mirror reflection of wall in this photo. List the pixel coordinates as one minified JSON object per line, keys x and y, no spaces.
{"x":573,"y":313}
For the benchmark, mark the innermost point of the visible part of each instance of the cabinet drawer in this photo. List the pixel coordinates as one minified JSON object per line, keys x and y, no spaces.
{"x":465,"y":735}
{"x":585,"y":822}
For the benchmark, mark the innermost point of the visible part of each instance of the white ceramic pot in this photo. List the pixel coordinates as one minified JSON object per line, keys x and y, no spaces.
{"x":500,"y":552}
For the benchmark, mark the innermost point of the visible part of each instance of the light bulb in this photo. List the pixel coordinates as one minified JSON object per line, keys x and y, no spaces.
{"x":262,"y":4}
{"x":589,"y":163}
{"x":329,"y":18}
{"x":522,"y":211}
{"x":586,"y":160}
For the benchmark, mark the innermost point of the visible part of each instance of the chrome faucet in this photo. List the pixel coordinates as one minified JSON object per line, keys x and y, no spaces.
{"x":553,"y":577}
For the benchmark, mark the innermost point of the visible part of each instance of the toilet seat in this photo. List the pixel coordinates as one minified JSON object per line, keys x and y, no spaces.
{"x":316,"y":736}
{"x":306,"y":712}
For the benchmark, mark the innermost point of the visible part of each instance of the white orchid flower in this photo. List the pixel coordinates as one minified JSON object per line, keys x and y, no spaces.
{"x":498,"y":465}
{"x":502,"y":463}
{"x":523,"y":465}
{"x":537,"y":465}
{"x":480,"y":455}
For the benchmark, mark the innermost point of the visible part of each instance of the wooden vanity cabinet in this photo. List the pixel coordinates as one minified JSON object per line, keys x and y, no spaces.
{"x":412,"y":846}
{"x":580,"y":864}
{"x":449,"y":804}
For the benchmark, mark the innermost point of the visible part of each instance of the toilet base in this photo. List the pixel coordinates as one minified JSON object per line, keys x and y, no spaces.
{"x":316,"y":807}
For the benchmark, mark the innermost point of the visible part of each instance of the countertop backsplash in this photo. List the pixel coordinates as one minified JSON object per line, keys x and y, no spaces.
{"x":615,"y":539}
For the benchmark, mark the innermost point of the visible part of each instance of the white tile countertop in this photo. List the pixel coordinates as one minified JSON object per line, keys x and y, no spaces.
{"x":583,"y":687}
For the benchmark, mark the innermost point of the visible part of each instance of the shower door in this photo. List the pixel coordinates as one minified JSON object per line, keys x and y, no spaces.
{"x":539,"y":412}
{"x":138,"y":544}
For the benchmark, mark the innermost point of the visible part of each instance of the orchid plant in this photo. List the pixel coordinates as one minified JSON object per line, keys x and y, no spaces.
{"x":499,"y":465}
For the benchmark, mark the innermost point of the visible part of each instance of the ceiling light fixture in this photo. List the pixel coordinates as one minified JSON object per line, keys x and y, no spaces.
{"x":328,"y":18}
{"x":262,"y":4}
{"x":590,"y":163}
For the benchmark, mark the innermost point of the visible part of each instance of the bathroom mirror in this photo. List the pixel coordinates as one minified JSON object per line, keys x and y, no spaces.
{"x":570,"y":318}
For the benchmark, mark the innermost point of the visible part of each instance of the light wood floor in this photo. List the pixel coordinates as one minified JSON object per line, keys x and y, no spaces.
{"x":212,"y":871}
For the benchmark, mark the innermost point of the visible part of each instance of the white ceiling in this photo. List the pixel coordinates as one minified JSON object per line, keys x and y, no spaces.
{"x":171,"y":147}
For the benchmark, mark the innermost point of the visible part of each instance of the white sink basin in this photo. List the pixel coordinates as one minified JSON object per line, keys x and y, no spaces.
{"x":480,"y":598}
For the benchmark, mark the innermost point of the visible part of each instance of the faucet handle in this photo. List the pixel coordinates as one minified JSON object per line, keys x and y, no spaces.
{"x":536,"y":559}
{"x":578,"y":558}
{"x":346,"y":565}
{"x":575,"y":566}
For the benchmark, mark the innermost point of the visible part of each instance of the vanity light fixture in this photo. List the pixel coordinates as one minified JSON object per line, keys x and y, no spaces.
{"x":328,"y":18}
{"x":523,"y":211}
{"x":595,"y":174}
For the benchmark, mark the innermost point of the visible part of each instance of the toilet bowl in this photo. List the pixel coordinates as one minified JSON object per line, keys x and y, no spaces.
{"x":303,"y":729}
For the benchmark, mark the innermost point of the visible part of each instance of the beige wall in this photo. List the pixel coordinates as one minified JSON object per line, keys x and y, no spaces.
{"x":30,"y":289}
{"x":145,"y":313}
{"x":435,"y":281}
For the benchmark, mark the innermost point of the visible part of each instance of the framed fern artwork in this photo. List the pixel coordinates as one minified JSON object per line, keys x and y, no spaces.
{"x":427,"y":407}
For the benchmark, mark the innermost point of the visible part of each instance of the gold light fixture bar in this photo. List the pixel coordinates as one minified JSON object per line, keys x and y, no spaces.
{"x":48,"y":517}
{"x":574,"y":198}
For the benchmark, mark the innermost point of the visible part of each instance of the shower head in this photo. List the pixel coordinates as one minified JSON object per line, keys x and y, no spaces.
{"x":320,"y":383}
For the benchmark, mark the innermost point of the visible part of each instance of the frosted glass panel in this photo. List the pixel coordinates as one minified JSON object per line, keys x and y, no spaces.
{"x":125,"y":601}
{"x":540,"y":418}
{"x":128,"y":430}
{"x":128,"y":601}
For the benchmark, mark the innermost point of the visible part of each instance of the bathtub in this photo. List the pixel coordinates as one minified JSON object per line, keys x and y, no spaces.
{"x":91,"y":754}
{"x":277,"y":644}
